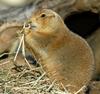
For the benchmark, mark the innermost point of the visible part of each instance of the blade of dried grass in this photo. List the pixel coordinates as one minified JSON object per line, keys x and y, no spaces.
{"x":65,"y":89}
{"x":50,"y":87}
{"x":39,"y":78}
{"x":23,"y":52}
{"x":4,"y":54}
{"x":81,"y":89}
{"x":4,"y":63}
{"x":21,"y":40}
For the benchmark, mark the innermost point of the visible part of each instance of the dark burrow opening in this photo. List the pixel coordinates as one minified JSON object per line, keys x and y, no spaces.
{"x":83,"y":23}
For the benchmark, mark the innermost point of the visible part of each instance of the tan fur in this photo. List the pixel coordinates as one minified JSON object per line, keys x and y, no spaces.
{"x":8,"y":34}
{"x":65,"y":56}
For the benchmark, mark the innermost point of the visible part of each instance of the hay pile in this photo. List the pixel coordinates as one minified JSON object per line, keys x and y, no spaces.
{"x":20,"y":79}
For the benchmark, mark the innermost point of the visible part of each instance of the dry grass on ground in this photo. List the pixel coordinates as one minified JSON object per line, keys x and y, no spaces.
{"x":23,"y":80}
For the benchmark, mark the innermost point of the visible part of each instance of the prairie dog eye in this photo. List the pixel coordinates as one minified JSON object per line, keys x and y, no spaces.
{"x":43,"y":15}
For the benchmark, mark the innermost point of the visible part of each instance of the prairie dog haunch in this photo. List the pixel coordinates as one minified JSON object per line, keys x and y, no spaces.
{"x":65,"y":56}
{"x":8,"y":35}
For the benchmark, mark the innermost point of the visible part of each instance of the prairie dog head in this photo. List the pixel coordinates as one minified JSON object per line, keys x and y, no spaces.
{"x":46,"y":21}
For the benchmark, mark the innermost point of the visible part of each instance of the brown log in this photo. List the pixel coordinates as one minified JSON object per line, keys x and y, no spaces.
{"x":63,"y":7}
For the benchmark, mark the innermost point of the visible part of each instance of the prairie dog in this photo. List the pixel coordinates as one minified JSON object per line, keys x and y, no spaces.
{"x":65,"y":56}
